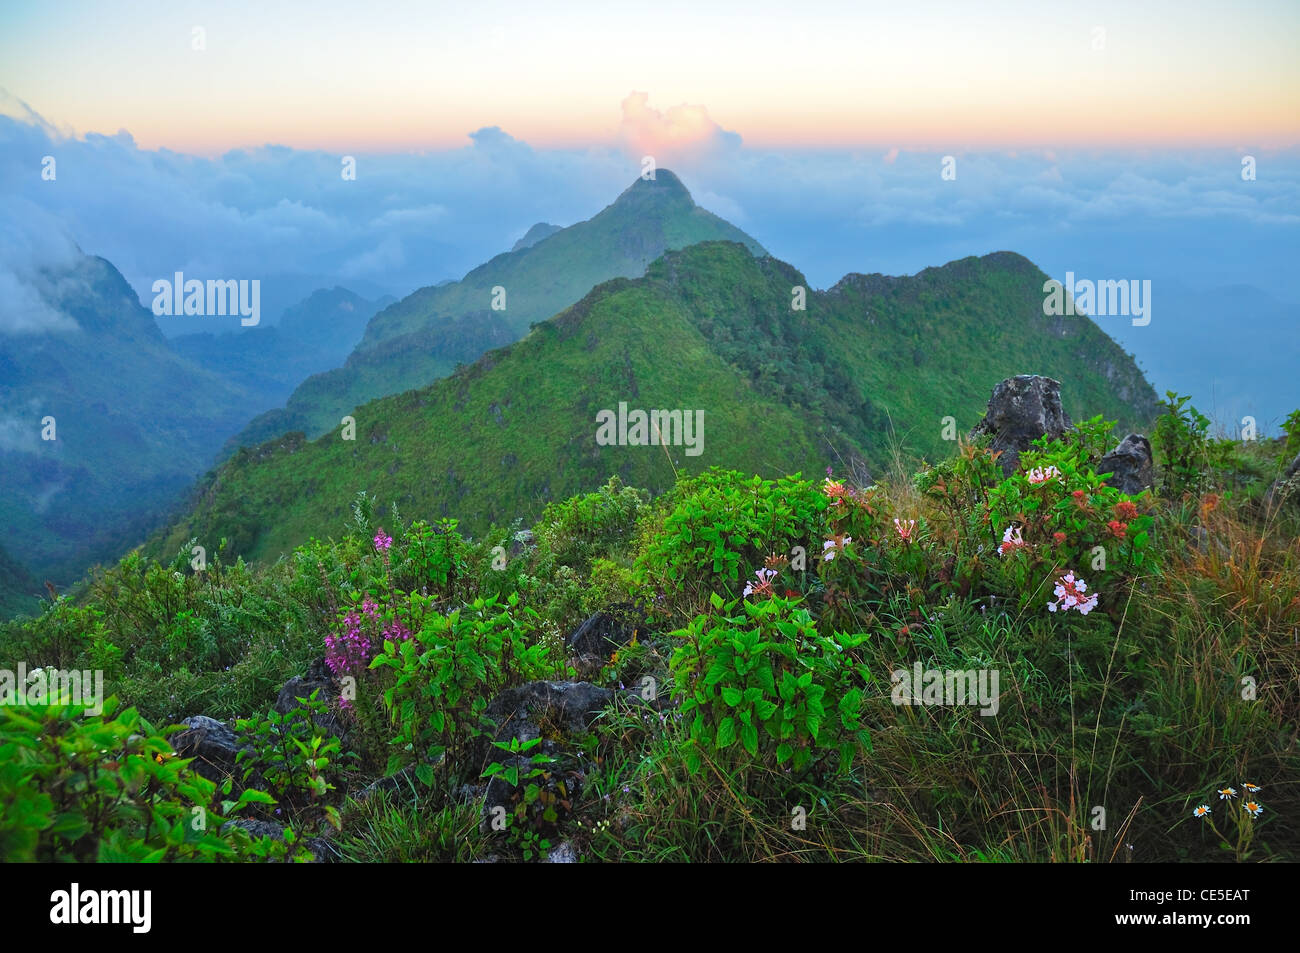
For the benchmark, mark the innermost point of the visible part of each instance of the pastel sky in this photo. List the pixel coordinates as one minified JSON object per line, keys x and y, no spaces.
{"x":377,"y":76}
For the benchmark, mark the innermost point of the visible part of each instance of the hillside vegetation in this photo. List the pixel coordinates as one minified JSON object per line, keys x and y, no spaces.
{"x":742,"y":675}
{"x":871,"y":366}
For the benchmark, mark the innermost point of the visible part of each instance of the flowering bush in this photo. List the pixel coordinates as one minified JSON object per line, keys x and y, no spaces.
{"x":718,"y":524}
{"x":1059,"y":522}
{"x":364,"y":631}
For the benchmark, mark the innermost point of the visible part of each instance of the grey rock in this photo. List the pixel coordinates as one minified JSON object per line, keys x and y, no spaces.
{"x":318,"y":679}
{"x":1021,"y":410}
{"x":571,"y":706}
{"x":212,"y":744}
{"x":603,"y":632}
{"x":562,"y":853}
{"x":1130,"y":465}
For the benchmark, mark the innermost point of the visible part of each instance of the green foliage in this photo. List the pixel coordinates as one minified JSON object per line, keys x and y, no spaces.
{"x":292,"y":754}
{"x":433,"y":560}
{"x":1189,"y":458}
{"x":446,"y":675}
{"x":765,"y":681}
{"x":717,"y":525}
{"x":1291,"y":427}
{"x":401,"y":828}
{"x":1130,"y":707}
{"x":537,"y":795}
{"x":108,"y":788}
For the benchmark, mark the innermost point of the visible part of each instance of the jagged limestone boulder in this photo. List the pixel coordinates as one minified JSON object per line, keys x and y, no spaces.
{"x":1021,"y":410}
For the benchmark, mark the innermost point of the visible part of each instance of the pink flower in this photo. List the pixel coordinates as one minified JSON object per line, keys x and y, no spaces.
{"x":1011,"y":540}
{"x":834,"y":546}
{"x":382,"y":541}
{"x":1040,"y":475}
{"x":764,"y":587}
{"x":1072,"y":593}
{"x":364,"y":633}
{"x":904,"y":529}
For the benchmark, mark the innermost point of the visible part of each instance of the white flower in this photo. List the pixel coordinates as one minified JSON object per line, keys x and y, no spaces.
{"x":1040,"y":475}
{"x":834,"y":545}
{"x":1011,"y":539}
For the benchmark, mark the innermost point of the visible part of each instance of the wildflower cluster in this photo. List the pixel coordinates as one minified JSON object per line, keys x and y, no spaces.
{"x":1072,"y":593}
{"x":1242,"y":811}
{"x":364,"y":633}
{"x":1012,"y":540}
{"x":1043,"y":474}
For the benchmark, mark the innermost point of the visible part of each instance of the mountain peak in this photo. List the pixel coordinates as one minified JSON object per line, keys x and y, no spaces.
{"x":664,"y":187}
{"x":536,"y":234}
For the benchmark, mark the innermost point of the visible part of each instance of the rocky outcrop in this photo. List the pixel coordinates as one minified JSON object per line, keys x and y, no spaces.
{"x":212,"y":744}
{"x":1130,"y":465}
{"x":604,"y":632}
{"x":1021,"y":410}
{"x":318,"y":679}
{"x":569,"y":707}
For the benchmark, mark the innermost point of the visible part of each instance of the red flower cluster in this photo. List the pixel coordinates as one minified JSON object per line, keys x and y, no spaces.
{"x":1126,"y":510}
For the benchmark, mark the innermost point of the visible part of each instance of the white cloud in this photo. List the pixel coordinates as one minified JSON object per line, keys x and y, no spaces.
{"x":672,"y":135}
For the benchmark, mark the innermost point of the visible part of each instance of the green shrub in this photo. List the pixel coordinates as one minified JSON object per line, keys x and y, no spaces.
{"x":716,"y":527}
{"x":766,"y":682}
{"x":108,"y":788}
{"x":293,"y":755}
{"x":446,"y":675}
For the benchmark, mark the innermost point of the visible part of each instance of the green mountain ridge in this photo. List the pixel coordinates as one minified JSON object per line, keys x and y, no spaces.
{"x":709,"y":328}
{"x":426,"y":335}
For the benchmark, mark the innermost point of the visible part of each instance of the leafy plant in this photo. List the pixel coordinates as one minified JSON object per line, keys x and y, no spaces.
{"x":292,"y":754}
{"x":109,"y":788}
{"x":536,"y":795}
{"x":766,"y":682}
{"x":447,"y":673}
